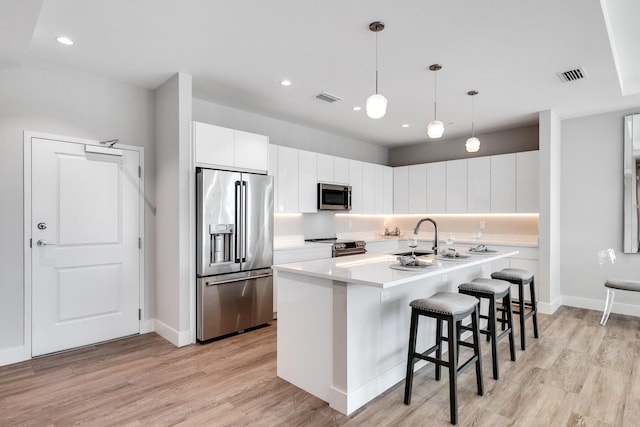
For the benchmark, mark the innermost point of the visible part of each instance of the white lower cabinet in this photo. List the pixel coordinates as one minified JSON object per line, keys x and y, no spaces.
{"x":382,"y":245}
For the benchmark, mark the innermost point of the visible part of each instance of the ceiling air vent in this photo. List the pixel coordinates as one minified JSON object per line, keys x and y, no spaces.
{"x":571,"y":75}
{"x":327,"y":97}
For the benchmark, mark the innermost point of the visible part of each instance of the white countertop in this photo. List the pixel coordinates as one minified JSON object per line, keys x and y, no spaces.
{"x":374,"y":269}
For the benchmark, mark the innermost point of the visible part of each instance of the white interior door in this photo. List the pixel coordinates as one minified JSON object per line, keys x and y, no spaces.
{"x":85,"y":228}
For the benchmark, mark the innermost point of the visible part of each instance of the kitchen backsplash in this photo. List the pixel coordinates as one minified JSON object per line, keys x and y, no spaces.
{"x":328,"y":224}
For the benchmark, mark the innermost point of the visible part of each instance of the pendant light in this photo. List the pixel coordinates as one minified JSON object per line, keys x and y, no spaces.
{"x":376,"y":103}
{"x":473,"y":144}
{"x":436,"y":127}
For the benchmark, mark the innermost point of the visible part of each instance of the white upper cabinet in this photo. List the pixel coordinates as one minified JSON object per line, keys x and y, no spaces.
{"x":418,"y":189}
{"x":341,"y":170}
{"x":401,"y":190}
{"x":273,"y":171}
{"x":388,"y":190}
{"x":219,"y":146}
{"x":378,"y":181}
{"x":457,"y":186}
{"x":287,"y":180}
{"x":368,"y":188}
{"x":333,"y":169}
{"x":213,"y":144}
{"x":503,"y":183}
{"x":325,"y":168}
{"x":251,"y":150}
{"x":479,"y":185}
{"x":527,"y":193}
{"x":436,"y":188}
{"x":307,"y":182}
{"x":355,"y":181}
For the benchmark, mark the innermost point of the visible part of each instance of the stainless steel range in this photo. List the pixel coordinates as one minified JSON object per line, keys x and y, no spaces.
{"x":343,"y":247}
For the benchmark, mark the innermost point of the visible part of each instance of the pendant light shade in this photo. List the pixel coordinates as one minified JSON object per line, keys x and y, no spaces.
{"x":435,"y":129}
{"x":376,"y":106}
{"x":473,"y":144}
{"x":376,"y":103}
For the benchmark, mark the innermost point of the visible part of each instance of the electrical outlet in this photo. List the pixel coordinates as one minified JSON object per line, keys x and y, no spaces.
{"x":481,"y":225}
{"x":384,"y":296}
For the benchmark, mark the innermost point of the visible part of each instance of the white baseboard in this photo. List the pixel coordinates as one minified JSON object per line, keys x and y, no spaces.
{"x":598,"y":305}
{"x":11,"y":355}
{"x":550,"y":308}
{"x":147,"y":326}
{"x":177,"y":338}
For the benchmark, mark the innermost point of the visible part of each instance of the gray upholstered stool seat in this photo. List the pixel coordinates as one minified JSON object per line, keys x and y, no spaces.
{"x":446,"y":303}
{"x":493,"y":290}
{"x":491,"y":286}
{"x":452,"y":308}
{"x":522,"y":278}
{"x":513,"y":274}
{"x":623,"y":285}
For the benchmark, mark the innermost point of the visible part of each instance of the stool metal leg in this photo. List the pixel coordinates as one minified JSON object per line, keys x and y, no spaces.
{"x":410,"y":358}
{"x":491,"y":326}
{"x":534,"y":308}
{"x":523,"y":341}
{"x":506,"y":303}
{"x":608,"y":305}
{"x":475,"y":324}
{"x":453,"y":370}
{"x":439,"y":344}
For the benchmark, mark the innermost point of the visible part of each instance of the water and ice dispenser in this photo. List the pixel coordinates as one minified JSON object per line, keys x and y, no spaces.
{"x":221,"y":243}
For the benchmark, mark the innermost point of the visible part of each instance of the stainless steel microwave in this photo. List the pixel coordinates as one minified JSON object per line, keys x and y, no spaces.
{"x":333,"y":197}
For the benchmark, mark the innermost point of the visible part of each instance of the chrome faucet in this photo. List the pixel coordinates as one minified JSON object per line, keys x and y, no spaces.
{"x":435,"y":237}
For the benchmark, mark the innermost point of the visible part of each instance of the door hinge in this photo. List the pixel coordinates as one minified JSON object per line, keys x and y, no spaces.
{"x":30,"y":243}
{"x":139,"y":242}
{"x":139,"y":171}
{"x":139,"y":314}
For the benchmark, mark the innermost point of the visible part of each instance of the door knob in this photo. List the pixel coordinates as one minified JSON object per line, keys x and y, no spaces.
{"x":43,"y":242}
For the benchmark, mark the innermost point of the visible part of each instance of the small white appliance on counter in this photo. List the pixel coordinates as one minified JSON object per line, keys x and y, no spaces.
{"x":234,"y":226}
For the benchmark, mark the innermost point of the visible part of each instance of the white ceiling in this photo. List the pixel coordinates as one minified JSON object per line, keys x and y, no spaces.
{"x":238,"y":51}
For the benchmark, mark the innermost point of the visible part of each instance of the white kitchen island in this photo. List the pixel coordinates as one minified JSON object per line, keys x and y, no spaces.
{"x":343,"y":323}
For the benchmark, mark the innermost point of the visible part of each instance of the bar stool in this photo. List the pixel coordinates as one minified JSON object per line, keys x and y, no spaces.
{"x":451,"y":307}
{"x":522,"y":278}
{"x":493,"y":290}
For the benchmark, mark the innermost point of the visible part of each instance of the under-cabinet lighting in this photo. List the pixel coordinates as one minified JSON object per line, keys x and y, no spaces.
{"x":286,"y":215}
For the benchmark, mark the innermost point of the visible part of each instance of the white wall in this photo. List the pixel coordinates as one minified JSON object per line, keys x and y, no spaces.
{"x":592,"y":203}
{"x":70,"y":104}
{"x":289,"y":134}
{"x":175,"y":284}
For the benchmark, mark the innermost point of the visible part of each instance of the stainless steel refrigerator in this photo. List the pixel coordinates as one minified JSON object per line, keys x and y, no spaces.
{"x":234,"y":251}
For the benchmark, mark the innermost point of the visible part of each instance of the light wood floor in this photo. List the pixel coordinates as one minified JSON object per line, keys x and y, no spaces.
{"x":577,"y":373}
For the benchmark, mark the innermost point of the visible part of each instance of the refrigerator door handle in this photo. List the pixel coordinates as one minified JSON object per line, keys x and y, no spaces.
{"x":244,"y":221}
{"x":239,"y":225}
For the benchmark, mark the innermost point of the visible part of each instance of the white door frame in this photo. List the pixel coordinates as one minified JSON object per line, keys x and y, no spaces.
{"x":28,"y":135}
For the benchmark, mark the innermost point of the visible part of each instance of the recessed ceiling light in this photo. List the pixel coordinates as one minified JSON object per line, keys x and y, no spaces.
{"x":356,"y":108}
{"x":65,"y":41}
{"x":285,"y":82}
{"x":405,"y":125}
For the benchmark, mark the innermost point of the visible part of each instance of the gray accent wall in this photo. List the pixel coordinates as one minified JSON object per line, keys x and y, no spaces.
{"x":514,"y":140}
{"x":289,"y":134}
{"x":66,"y":103}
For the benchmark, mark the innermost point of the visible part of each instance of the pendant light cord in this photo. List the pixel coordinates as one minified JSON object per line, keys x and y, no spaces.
{"x":435,"y":95}
{"x":376,"y":62}
{"x":473,"y":133}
